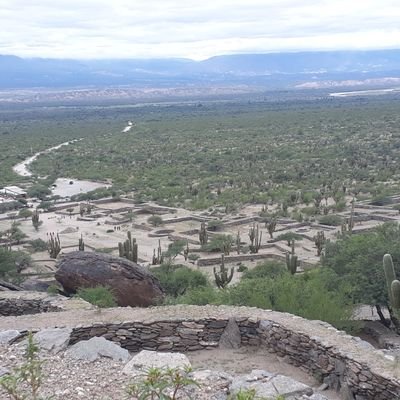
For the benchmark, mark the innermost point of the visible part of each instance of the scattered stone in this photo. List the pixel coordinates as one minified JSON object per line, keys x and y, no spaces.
{"x":54,"y":340}
{"x":231,"y":337}
{"x":4,"y":371}
{"x":131,"y":283}
{"x":7,"y":337}
{"x":94,"y":348}
{"x":270,"y":386}
{"x":147,"y":359}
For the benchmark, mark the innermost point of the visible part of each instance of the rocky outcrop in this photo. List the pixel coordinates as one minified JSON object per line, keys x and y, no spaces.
{"x":93,"y":349}
{"x":131,"y":283}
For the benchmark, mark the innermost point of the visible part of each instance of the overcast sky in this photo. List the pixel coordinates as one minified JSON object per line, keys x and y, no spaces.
{"x":193,"y":29}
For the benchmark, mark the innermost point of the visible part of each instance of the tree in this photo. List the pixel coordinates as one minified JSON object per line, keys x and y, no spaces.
{"x":39,"y":191}
{"x":357,"y":260}
{"x":155,"y":220}
{"x":289,"y":236}
{"x":12,"y":262}
{"x":25,"y":213}
{"x":175,"y":248}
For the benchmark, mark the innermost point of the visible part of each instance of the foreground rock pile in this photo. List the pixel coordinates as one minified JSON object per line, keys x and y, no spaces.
{"x":101,"y":369}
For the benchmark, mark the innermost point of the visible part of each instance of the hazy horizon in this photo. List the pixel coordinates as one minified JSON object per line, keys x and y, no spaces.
{"x":97,"y":29}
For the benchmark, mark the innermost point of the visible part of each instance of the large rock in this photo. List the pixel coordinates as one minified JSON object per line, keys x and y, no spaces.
{"x":131,"y":283}
{"x":148,"y":359}
{"x":96,"y":347}
{"x":53,"y":339}
{"x":269,"y":385}
{"x":6,"y":337}
{"x":230,"y":338}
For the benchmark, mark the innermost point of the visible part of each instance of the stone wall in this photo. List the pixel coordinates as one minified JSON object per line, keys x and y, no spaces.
{"x":19,"y":306}
{"x":335,"y":366}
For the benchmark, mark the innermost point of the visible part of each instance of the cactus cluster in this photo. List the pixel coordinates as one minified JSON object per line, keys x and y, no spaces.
{"x":203,"y":234}
{"x":255,"y":237}
{"x":393,"y":286}
{"x":129,"y":248}
{"x":186,"y":251}
{"x":53,"y":244}
{"x":271,"y":226}
{"x":157,"y":258}
{"x":292,"y":260}
{"x":223,"y":277}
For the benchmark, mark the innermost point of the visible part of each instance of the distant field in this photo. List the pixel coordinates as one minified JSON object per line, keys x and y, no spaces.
{"x":202,"y":154}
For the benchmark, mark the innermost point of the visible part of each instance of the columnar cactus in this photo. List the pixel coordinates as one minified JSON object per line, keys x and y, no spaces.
{"x":36,"y":220}
{"x":81,"y":244}
{"x":271,"y":226}
{"x":238,"y":242}
{"x":393,"y":286}
{"x":292,"y":260}
{"x":255,"y":237}
{"x":186,"y":251}
{"x":222,"y":278}
{"x":319,"y":241}
{"x":203,"y":234}
{"x":53,"y":245}
{"x":129,"y":248}
{"x":157,"y":259}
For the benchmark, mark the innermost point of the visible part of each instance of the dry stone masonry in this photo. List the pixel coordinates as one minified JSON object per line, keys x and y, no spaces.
{"x":341,"y":361}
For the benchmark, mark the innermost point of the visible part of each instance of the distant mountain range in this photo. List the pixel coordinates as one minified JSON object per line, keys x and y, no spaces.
{"x":274,"y":69}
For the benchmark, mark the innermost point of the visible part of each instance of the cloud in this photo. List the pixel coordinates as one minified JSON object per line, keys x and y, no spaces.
{"x":176,"y":28}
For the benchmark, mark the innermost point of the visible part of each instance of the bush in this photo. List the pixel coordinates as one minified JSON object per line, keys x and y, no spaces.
{"x":39,"y":191}
{"x":176,"y":279}
{"x":12,"y":262}
{"x":269,"y":269}
{"x":214,"y":225}
{"x":312,"y":295}
{"x":155,"y":220}
{"x":218,"y":243}
{"x":100,"y":296}
{"x":289,"y":236}
{"x":38,"y":245}
{"x":332,"y":220}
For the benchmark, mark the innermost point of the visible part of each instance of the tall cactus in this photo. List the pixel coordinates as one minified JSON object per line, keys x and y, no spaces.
{"x":129,"y":248}
{"x":319,"y":241}
{"x":81,"y":244}
{"x":292,"y":260}
{"x":222,"y":278}
{"x":238,"y":242}
{"x":255,"y":237}
{"x":157,"y":259}
{"x":271,"y":226}
{"x":203,"y":234}
{"x":36,"y":220}
{"x":53,"y":245}
{"x":393,"y":286}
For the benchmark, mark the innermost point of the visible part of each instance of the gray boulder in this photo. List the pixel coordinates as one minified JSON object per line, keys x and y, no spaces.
{"x":147,"y":359}
{"x":271,"y":386}
{"x":230,"y":338}
{"x":94,"y":348}
{"x":7,"y":337}
{"x":131,"y":283}
{"x":4,"y":371}
{"x":54,"y":339}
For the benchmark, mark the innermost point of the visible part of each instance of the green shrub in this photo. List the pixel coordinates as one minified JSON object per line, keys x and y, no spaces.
{"x":289,"y":236}
{"x":161,"y":383}
{"x":176,"y":279}
{"x":25,"y":381}
{"x":218,"y":243}
{"x":38,"y":245}
{"x":332,"y":220}
{"x":269,"y":269}
{"x":214,"y":225}
{"x":155,"y":220}
{"x":100,"y":296}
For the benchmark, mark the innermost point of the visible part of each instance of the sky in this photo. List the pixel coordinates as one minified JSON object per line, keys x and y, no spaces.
{"x":84,"y":29}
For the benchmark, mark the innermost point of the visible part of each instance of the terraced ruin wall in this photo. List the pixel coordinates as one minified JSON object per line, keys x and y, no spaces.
{"x":331,"y":364}
{"x":17,"y":306}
